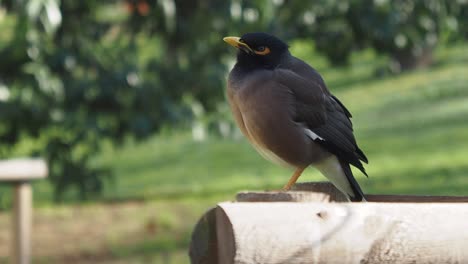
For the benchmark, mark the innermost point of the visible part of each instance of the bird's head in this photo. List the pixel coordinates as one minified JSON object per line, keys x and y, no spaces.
{"x":260,"y":50}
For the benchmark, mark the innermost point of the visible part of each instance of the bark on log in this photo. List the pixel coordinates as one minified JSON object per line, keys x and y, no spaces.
{"x":326,"y":192}
{"x":342,"y":233}
{"x":300,"y":192}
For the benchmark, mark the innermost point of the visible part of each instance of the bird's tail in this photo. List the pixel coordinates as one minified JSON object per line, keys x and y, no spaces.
{"x":358,"y":195}
{"x":340,"y":174}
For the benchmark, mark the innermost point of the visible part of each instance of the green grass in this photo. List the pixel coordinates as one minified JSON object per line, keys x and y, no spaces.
{"x":413,"y":128}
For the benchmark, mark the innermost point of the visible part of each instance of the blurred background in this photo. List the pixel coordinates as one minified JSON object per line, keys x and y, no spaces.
{"x":125,"y":101}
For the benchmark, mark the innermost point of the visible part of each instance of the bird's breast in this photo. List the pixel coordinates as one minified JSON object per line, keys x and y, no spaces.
{"x":266,"y":118}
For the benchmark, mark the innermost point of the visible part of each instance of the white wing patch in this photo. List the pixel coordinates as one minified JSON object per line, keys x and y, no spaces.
{"x":312,"y":135}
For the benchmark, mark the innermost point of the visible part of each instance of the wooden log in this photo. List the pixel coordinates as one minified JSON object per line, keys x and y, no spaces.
{"x":22,"y":169}
{"x":283,"y":232}
{"x":300,"y":192}
{"x":203,"y":249}
{"x":290,"y":196}
{"x":208,"y":230}
{"x":326,"y":192}
{"x":320,"y":187}
{"x":382,"y":198}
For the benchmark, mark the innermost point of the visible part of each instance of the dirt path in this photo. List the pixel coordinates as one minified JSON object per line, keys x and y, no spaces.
{"x":105,"y":233}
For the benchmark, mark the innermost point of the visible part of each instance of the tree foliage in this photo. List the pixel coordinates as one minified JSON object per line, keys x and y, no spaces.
{"x":75,"y":73}
{"x":406,"y":31}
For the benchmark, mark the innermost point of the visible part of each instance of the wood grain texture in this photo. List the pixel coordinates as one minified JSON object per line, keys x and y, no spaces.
{"x":326,"y":192}
{"x":382,"y":198}
{"x":310,"y":225}
{"x":290,"y":196}
{"x":22,"y":169}
{"x":284,"y":232}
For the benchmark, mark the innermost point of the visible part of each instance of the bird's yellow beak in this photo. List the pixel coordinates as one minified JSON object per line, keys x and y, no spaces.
{"x":235,"y":42}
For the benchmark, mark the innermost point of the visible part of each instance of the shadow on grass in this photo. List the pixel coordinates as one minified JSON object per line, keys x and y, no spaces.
{"x":436,"y":181}
{"x":417,"y":128}
{"x":456,"y":56}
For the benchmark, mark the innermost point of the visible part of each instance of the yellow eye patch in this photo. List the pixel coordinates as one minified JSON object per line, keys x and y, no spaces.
{"x":262,"y":51}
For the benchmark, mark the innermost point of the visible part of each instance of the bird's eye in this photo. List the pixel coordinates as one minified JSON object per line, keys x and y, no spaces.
{"x":262,"y":50}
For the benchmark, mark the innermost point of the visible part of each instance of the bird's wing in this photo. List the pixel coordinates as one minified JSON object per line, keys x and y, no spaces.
{"x":324,"y":115}
{"x":309,"y":104}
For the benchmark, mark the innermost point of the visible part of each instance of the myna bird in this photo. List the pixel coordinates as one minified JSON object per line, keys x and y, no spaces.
{"x":283,"y":107}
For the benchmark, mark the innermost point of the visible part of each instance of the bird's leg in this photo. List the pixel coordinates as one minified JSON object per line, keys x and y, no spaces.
{"x":293,"y":179}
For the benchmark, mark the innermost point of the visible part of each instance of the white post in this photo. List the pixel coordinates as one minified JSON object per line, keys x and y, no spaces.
{"x":22,"y":212}
{"x":19,"y":172}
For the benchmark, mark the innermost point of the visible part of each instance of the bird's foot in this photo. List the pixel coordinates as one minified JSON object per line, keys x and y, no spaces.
{"x":286,"y":188}
{"x":293,"y":179}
